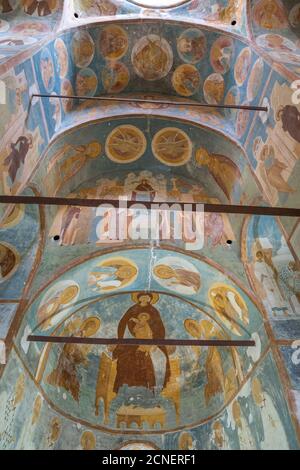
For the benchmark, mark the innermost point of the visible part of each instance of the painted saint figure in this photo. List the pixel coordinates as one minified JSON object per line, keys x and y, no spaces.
{"x":178,"y":276}
{"x":112,"y":274}
{"x":224,"y":171}
{"x":274,"y":434}
{"x":266,"y":275}
{"x":142,"y":366}
{"x":71,"y":357}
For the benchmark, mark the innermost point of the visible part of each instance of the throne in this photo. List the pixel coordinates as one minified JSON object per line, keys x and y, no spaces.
{"x":105,"y":385}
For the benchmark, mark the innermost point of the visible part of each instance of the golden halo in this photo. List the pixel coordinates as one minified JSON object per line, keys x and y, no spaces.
{"x":154,"y":296}
{"x":88,"y":440}
{"x":220,"y":287}
{"x":94,"y":325}
{"x":193,"y":328}
{"x":186,"y":80}
{"x":125,"y":144}
{"x":172,"y":146}
{"x":68,"y":294}
{"x":113,"y":42}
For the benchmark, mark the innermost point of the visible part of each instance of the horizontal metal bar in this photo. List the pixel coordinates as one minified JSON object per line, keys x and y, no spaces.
{"x":218,"y":208}
{"x":153,"y":101}
{"x":135,"y":341}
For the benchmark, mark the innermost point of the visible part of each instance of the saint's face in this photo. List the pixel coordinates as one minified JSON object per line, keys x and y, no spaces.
{"x":144,"y":300}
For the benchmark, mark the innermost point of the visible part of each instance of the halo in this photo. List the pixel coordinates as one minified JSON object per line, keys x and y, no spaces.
{"x":154,"y":296}
{"x":91,"y":330}
{"x":68,"y":294}
{"x":193,"y":328}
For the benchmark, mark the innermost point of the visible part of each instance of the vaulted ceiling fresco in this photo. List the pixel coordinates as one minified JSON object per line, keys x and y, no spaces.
{"x":62,"y":274}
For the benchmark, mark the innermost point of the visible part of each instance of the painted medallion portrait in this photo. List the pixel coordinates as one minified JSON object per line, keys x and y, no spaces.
{"x":67,"y":90}
{"x":230,"y":307}
{"x":113,"y":42}
{"x":115,"y":77}
{"x":255,"y":80}
{"x":47,"y":69}
{"x":191,"y":45}
{"x":62,"y":57}
{"x":9,"y":261}
{"x":242,"y":66}
{"x":186,"y":80}
{"x":213,"y":88}
{"x":178,"y":275}
{"x":152,"y":57}
{"x":83,"y":49}
{"x":112,"y":274}
{"x":54,"y":305}
{"x":172,"y":146}
{"x":232,"y":98}
{"x":125,"y":144}
{"x":270,"y":14}
{"x":86,"y":82}
{"x":221,"y":54}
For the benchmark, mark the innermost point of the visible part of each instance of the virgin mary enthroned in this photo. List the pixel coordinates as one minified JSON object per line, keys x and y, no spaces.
{"x":140,"y":365}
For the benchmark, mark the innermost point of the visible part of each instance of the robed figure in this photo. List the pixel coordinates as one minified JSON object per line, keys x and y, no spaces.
{"x":139,"y":365}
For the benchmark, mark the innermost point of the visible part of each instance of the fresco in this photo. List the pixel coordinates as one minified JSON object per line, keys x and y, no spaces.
{"x":148,"y":140}
{"x":72,"y":305}
{"x":245,"y":424}
{"x":275,"y":273}
{"x":225,"y":13}
{"x":61,"y":273}
{"x":275,"y":26}
{"x":24,"y":23}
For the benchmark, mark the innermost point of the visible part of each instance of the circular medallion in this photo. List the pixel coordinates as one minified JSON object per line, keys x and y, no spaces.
{"x":86,"y":82}
{"x":242,"y":66}
{"x":125,"y":144}
{"x":115,"y":77}
{"x":221,"y":54}
{"x":255,"y":80}
{"x":67,"y":90}
{"x":152,"y":57}
{"x":62,"y":57}
{"x":172,"y":146}
{"x":83,"y":49}
{"x":186,"y":80}
{"x":113,"y":42}
{"x":213,"y":88}
{"x":191,"y":45}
